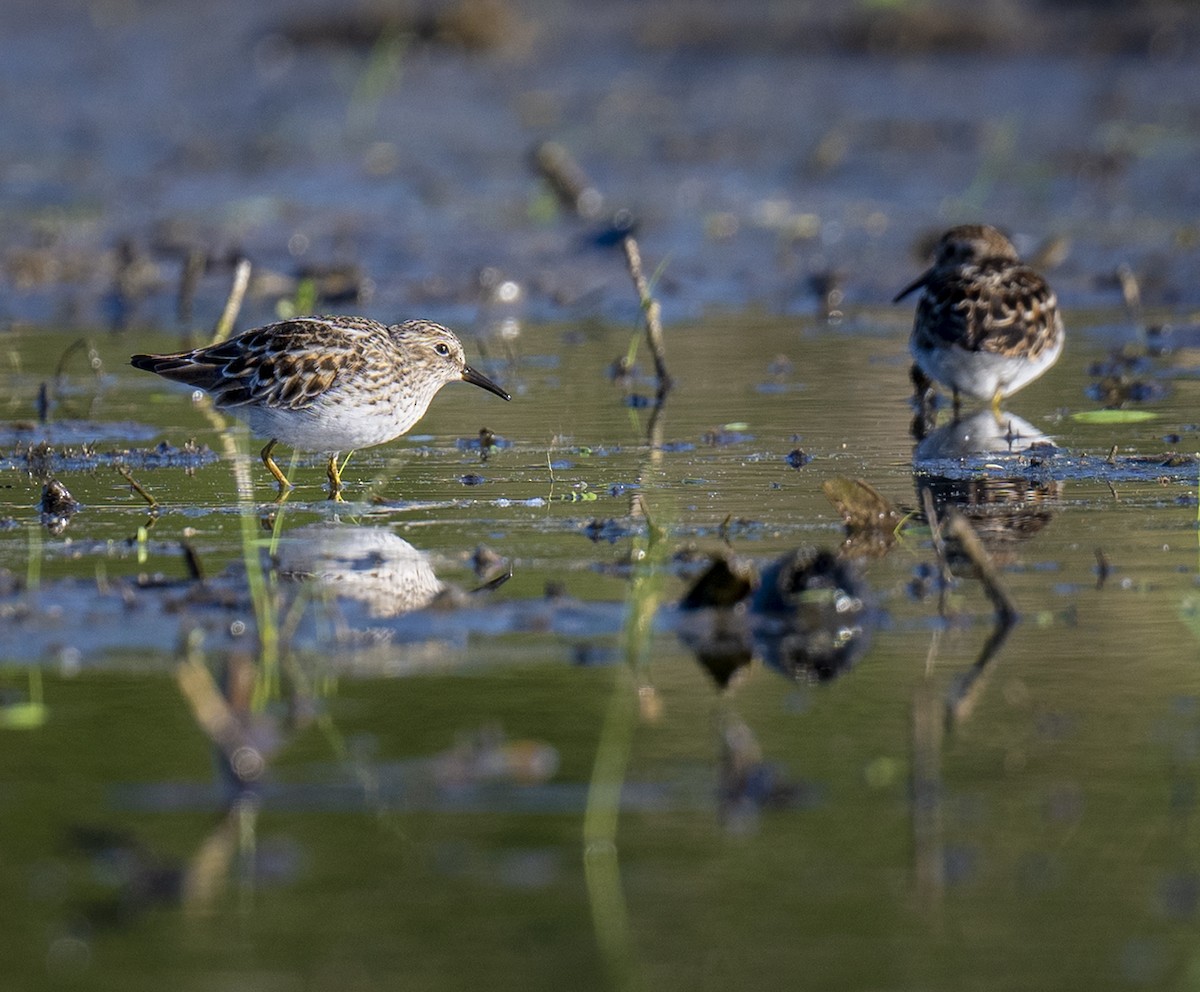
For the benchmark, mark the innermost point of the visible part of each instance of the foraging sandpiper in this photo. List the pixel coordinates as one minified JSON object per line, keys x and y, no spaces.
{"x":325,"y":384}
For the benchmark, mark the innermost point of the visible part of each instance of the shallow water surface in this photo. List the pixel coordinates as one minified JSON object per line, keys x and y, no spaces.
{"x":350,"y":753}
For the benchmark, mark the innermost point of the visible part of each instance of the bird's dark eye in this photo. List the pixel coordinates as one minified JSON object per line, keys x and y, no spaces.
{"x":442,"y":349}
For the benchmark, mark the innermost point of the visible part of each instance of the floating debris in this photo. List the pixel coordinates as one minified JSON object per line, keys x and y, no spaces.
{"x":726,"y":434}
{"x":57,"y":507}
{"x":1126,"y":376}
{"x":487,"y":564}
{"x":610,"y":530}
{"x":485,"y":442}
{"x":42,"y":460}
{"x":871,"y":521}
{"x":74,"y":432}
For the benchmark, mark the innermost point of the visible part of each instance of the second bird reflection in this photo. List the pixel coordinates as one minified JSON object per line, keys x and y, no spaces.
{"x":963,"y":464}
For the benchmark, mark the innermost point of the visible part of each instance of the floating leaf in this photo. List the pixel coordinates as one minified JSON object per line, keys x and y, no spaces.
{"x":1113,"y":416}
{"x":870,"y":519}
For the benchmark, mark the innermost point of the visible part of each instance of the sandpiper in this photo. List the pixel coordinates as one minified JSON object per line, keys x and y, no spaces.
{"x":325,"y":384}
{"x":986,"y":325}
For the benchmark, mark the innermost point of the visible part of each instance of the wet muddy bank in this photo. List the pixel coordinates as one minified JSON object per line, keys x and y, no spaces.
{"x":792,"y":161}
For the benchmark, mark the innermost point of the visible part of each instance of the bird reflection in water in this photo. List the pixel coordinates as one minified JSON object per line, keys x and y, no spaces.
{"x":963,"y":463}
{"x":808,"y":616}
{"x":367,"y":565}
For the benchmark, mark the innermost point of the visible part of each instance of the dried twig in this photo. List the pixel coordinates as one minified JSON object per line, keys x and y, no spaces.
{"x":193,"y":268}
{"x":556,"y":164}
{"x":192,"y":561}
{"x":570,"y":183}
{"x":137,"y":487}
{"x":651,"y":313}
{"x":237,"y":292}
{"x":1131,"y":293}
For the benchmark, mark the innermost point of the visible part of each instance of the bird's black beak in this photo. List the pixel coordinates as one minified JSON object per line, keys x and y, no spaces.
{"x":479,"y":379}
{"x":917,"y":283}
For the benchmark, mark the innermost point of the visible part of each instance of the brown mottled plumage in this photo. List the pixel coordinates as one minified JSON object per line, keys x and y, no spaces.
{"x":327,"y":384}
{"x":986,"y":325}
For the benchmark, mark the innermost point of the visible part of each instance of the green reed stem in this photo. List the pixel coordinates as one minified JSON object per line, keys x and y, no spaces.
{"x":262,"y":596}
{"x":601,"y":856}
{"x":601,"y":859}
{"x":383,"y":71}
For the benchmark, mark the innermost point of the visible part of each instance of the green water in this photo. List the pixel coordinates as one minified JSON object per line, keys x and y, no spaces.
{"x":1043,"y":840}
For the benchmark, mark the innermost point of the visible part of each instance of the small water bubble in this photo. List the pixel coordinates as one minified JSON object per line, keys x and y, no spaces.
{"x":508,"y":291}
{"x":247,"y":763}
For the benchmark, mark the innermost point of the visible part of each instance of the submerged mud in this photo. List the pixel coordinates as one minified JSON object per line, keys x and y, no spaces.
{"x":791,"y":158}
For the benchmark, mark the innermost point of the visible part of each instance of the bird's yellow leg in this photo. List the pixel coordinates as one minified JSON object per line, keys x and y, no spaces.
{"x":996,"y":398}
{"x":335,"y":480}
{"x":284,"y":485}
